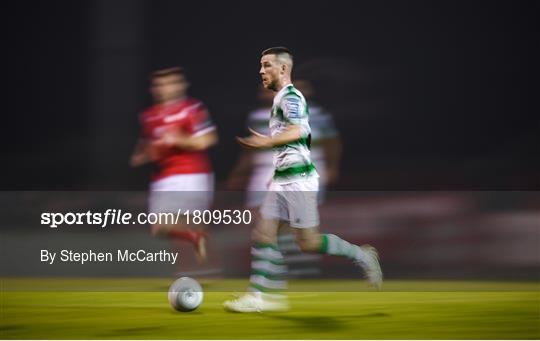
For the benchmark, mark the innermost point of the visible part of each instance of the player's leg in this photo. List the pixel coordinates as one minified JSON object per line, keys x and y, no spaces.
{"x":299,"y":264}
{"x":304,"y":217}
{"x":194,"y":235}
{"x":268,"y":270}
{"x":366,"y":256}
{"x":182,"y":192}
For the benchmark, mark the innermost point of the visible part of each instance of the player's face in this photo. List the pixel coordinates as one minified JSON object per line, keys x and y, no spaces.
{"x":270,"y":71}
{"x":168,"y":88}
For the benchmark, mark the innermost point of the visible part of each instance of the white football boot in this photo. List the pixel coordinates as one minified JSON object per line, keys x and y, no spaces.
{"x":371,"y":266}
{"x":256,"y":302}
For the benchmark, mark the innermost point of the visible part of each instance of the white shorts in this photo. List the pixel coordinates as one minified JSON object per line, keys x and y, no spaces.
{"x":295,"y":202}
{"x":260,"y":179}
{"x":181,"y":192}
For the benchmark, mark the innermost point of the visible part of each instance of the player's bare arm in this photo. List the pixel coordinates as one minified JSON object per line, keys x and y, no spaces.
{"x":184,"y":141}
{"x":199,"y":142}
{"x":140,"y":154}
{"x":260,"y":141}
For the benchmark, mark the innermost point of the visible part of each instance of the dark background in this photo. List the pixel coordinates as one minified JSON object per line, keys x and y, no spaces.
{"x":426,"y":94}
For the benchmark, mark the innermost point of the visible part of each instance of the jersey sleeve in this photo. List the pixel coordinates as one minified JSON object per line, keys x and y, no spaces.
{"x":200,"y":122}
{"x":295,"y":112}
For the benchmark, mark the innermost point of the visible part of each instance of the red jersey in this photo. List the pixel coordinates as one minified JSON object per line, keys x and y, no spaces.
{"x":188,"y":116}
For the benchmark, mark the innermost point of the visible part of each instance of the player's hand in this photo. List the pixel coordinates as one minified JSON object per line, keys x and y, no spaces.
{"x":256,"y":133}
{"x":171,"y":138}
{"x":255,"y":140}
{"x":138,"y":159}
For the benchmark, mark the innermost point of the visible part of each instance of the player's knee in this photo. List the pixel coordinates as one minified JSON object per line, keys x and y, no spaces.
{"x":265,"y":232}
{"x":308,"y":244}
{"x":261,"y":236}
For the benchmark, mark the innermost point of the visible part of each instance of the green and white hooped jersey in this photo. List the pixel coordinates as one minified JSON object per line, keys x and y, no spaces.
{"x":292,"y":162}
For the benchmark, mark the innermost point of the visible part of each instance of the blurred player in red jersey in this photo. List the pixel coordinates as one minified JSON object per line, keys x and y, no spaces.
{"x":176,"y":132}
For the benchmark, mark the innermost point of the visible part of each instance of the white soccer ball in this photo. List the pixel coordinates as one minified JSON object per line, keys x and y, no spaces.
{"x":185,"y":294}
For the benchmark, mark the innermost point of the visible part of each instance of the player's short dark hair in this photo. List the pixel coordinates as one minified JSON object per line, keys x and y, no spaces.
{"x":277,"y":51}
{"x":175,"y":70}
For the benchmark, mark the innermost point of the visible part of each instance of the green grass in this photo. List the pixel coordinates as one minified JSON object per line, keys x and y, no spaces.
{"x":404,"y":310}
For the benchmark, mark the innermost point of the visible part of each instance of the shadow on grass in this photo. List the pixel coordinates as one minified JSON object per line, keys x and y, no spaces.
{"x":11,"y":327}
{"x":124,"y":332}
{"x":315,"y":323}
{"x":321,"y":323}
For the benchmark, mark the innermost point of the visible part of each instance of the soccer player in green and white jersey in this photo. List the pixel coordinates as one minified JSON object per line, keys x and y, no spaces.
{"x":292,"y":196}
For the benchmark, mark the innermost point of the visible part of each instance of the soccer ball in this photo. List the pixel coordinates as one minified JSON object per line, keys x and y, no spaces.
{"x":185,"y":294}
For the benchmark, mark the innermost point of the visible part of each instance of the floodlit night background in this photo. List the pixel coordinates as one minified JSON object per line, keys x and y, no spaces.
{"x":426,"y":95}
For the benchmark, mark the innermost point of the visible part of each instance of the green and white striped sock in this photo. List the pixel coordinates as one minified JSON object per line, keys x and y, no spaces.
{"x":268,"y":269}
{"x":333,"y":245}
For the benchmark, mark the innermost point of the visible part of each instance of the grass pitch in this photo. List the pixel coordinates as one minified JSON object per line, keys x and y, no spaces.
{"x":138,"y":309}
